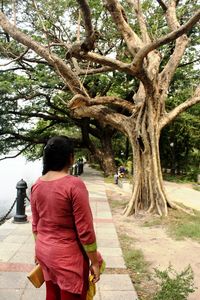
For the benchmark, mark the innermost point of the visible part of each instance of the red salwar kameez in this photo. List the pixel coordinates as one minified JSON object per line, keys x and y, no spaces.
{"x":63,"y":223}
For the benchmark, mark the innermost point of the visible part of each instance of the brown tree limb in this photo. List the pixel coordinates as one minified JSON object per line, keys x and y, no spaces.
{"x":142,"y":53}
{"x":166,"y":119}
{"x":180,"y":46}
{"x":38,"y":115}
{"x":86,"y":13}
{"x":16,"y":155}
{"x":162,"y":4}
{"x":15,"y":59}
{"x":79,"y":101}
{"x":94,"y":71}
{"x":105,"y":114}
{"x":106,"y":100}
{"x":136,"y":6}
{"x":71,"y":80}
{"x":117,"y":12}
{"x":107,"y":61}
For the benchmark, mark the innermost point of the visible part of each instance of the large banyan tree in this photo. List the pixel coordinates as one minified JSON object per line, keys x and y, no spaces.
{"x":112,"y":37}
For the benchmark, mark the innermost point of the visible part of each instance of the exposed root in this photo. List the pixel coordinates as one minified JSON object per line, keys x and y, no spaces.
{"x":186,"y":210}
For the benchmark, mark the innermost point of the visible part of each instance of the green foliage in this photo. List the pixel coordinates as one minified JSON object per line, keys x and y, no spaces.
{"x":173,"y":285}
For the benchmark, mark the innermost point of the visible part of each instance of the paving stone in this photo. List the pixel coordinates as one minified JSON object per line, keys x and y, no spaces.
{"x":104,"y":215}
{"x":12,"y":280}
{"x":118,"y":295}
{"x":107,"y":243}
{"x":33,"y":293}
{"x":10,"y":294}
{"x":110,"y":251}
{"x":114,"y":262}
{"x":115,"y":282}
{"x":23,"y":257}
{"x":7,"y":250}
{"x":14,"y":238}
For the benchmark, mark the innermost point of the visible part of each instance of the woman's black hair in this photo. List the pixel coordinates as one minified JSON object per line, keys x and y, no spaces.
{"x":57,"y":154}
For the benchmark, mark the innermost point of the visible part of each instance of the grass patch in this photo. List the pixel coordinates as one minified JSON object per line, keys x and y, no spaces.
{"x":179,"y":224}
{"x":118,"y":204}
{"x":109,"y":179}
{"x":177,"y":178}
{"x":196,"y":187}
{"x":137,"y":266}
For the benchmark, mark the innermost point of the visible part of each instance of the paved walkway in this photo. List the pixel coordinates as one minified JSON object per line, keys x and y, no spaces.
{"x":17,"y":252}
{"x":177,"y":192}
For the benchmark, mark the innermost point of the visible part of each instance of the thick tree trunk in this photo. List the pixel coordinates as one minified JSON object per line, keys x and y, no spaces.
{"x":108,"y":161}
{"x":103,"y":154}
{"x":148,"y":192}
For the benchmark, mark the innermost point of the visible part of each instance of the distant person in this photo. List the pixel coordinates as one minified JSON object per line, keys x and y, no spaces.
{"x":122,"y":171}
{"x":63,"y":225}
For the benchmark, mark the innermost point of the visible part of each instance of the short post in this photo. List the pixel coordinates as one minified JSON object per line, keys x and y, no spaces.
{"x":76,"y":170}
{"x":20,"y":216}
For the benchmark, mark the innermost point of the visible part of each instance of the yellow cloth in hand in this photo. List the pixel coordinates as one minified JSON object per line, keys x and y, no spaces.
{"x":92,"y":289}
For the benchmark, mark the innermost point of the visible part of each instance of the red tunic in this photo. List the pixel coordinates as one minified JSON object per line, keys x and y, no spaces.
{"x":62,"y":220}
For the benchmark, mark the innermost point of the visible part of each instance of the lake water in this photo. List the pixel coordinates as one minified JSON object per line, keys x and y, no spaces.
{"x":12,"y":171}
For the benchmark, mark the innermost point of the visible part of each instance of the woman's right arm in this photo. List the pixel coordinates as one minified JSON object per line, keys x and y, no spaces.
{"x":84,"y":225}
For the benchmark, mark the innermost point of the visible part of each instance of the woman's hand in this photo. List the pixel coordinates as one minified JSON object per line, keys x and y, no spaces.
{"x":95,"y":271}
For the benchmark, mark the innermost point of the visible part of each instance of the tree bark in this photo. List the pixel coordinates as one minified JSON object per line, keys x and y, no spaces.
{"x":103,"y":154}
{"x":148,"y":190}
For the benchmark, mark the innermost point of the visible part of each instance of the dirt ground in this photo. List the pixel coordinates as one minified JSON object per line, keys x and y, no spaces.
{"x":158,"y":248}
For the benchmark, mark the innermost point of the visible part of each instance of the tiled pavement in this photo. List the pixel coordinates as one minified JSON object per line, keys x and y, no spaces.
{"x":17,"y":252}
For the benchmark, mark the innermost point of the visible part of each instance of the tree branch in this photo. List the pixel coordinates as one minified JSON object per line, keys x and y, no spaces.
{"x":104,"y":114}
{"x":79,"y":100}
{"x":38,"y":115}
{"x":71,"y":80}
{"x":138,"y":60}
{"x":117,"y":12}
{"x":86,"y":13}
{"x":180,"y":108}
{"x":162,"y":4}
{"x":181,"y":44}
{"x":136,"y":5}
{"x":16,"y":155}
{"x":106,"y":61}
{"x":95,"y":71}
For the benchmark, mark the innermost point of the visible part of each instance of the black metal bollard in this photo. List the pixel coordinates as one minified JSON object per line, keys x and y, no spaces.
{"x":20,"y":216}
{"x":76,"y":170}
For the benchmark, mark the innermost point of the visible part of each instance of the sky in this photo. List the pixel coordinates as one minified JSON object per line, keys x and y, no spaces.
{"x":12,"y":171}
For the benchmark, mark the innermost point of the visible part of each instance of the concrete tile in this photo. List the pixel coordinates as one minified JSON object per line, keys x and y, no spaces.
{"x":115,"y":282}
{"x":114,"y":262}
{"x":23,"y":257}
{"x":110,"y":251}
{"x":106,"y":243}
{"x":118,"y":295}
{"x":7,"y":250}
{"x":107,"y":236}
{"x":28,"y":247}
{"x":10,"y":294}
{"x":104,"y":215}
{"x":13,"y":280}
{"x":9,"y":225}
{"x":106,"y":229}
{"x":13,"y":238}
{"x":34,"y":293}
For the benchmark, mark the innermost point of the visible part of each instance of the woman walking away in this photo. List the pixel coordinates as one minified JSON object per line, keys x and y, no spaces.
{"x":63,"y":225}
